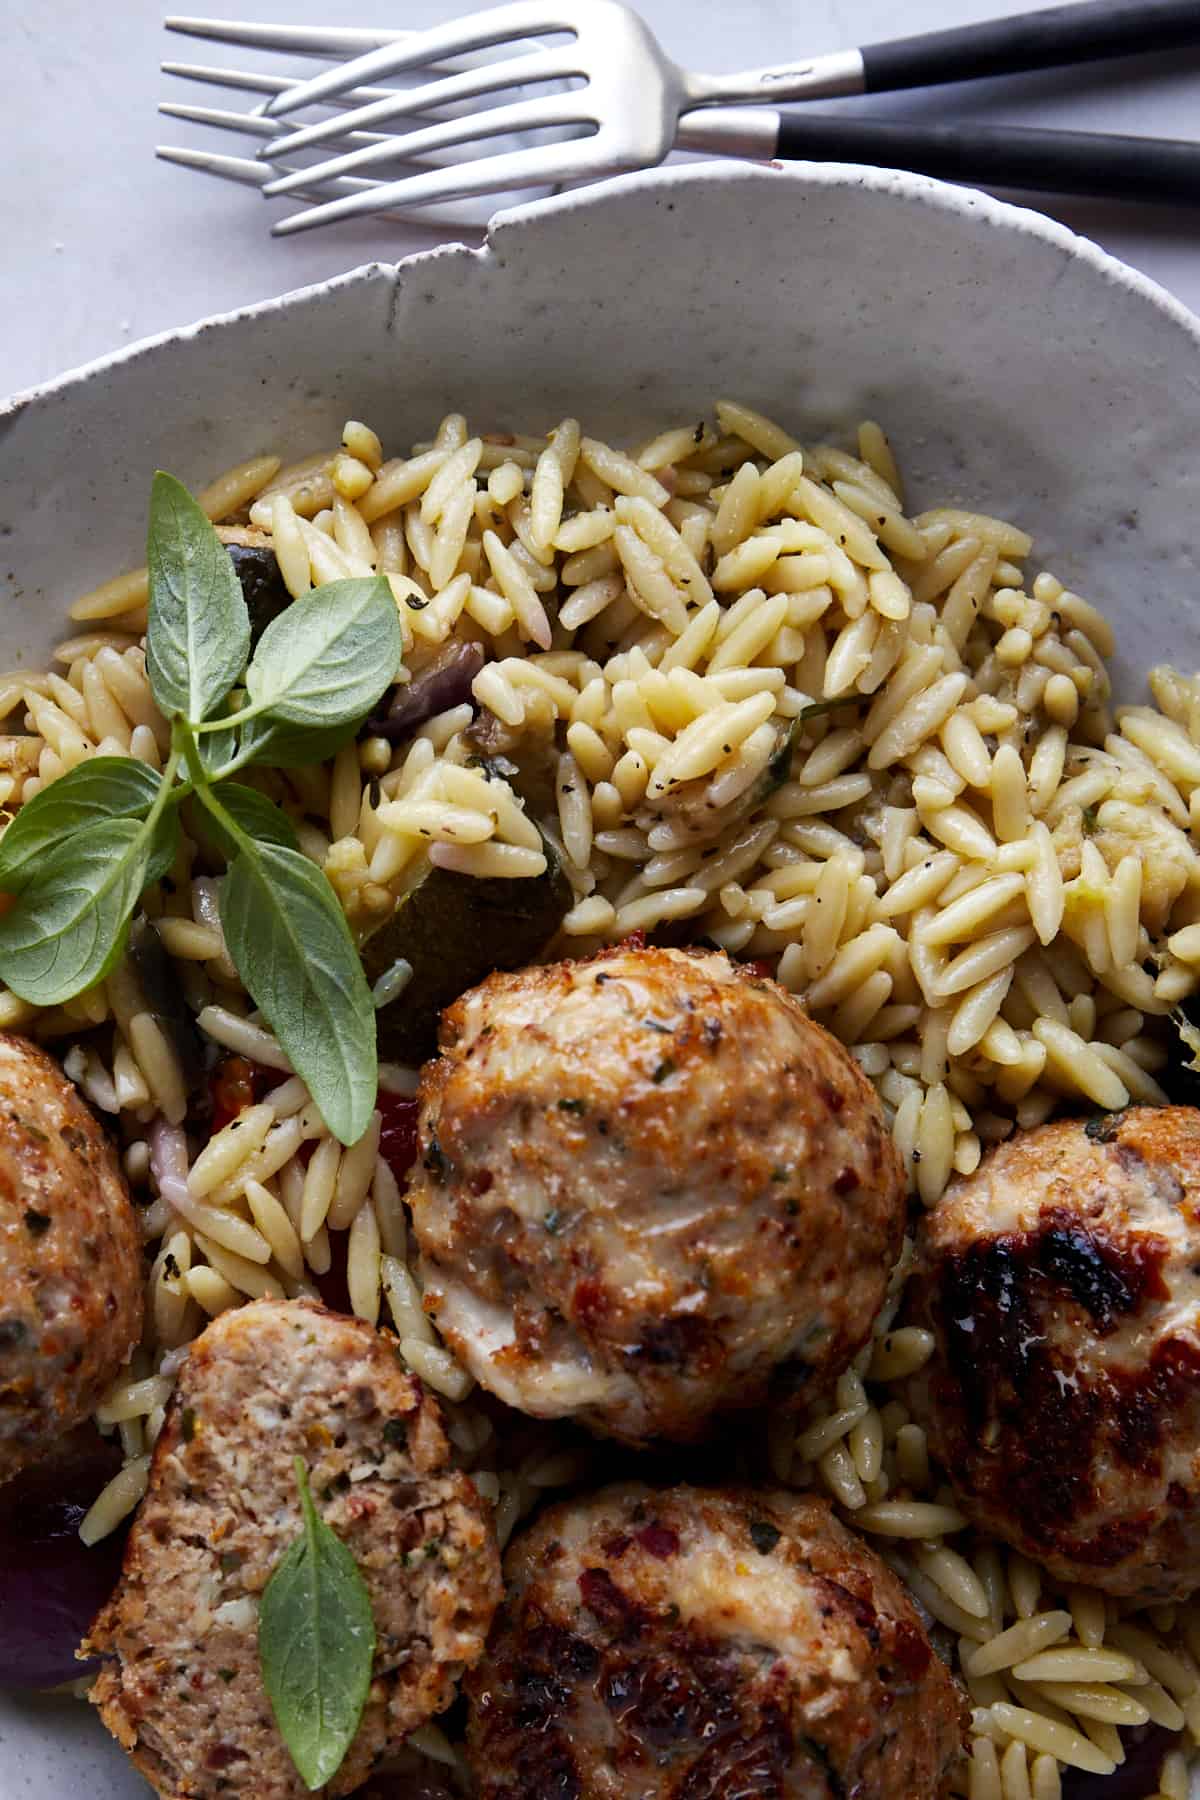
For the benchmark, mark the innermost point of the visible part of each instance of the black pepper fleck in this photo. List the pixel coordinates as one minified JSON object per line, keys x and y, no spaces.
{"x":764,"y":1537}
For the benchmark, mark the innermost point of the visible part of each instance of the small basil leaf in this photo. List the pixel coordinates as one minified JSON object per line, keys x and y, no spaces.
{"x":198,"y":636}
{"x":258,"y":817}
{"x":329,"y":657}
{"x":216,"y":749}
{"x":316,"y":1645}
{"x":66,"y":933}
{"x":107,"y":787}
{"x":279,"y":746}
{"x":293,"y":949}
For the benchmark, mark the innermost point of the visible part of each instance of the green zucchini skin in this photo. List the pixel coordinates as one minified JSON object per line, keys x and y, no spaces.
{"x":455,"y":930}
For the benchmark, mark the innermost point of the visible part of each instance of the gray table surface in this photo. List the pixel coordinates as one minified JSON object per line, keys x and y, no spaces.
{"x":103,"y":244}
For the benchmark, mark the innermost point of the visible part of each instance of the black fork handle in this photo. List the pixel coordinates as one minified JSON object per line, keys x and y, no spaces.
{"x":1057,"y":162}
{"x":1035,"y":40}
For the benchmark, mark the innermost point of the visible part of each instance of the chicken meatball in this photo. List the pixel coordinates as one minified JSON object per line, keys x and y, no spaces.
{"x":701,"y":1642}
{"x":650,"y":1189}
{"x":1063,"y":1397}
{"x":70,"y":1257}
{"x":180,"y":1688}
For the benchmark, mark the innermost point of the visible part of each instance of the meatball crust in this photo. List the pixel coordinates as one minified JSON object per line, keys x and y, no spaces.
{"x":695,"y":1643}
{"x":70,"y":1257}
{"x":181,"y":1688}
{"x":650,"y":1189}
{"x":1063,"y":1397}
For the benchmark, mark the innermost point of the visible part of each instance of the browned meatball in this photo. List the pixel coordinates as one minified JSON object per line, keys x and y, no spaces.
{"x":701,"y":1643}
{"x":650,"y":1189}
{"x":1063,"y":1398}
{"x":181,"y":1688}
{"x":70,"y":1257}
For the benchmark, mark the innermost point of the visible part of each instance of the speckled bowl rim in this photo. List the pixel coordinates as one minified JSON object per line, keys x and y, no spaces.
{"x":921,"y":190}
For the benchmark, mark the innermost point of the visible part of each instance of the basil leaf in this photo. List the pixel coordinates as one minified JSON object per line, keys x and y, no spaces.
{"x":66,"y":933}
{"x":199,"y":630}
{"x":316,"y":1645}
{"x":258,"y":817}
{"x":279,"y":746}
{"x":107,"y":787}
{"x":216,"y":749}
{"x":293,"y":949}
{"x":329,"y":657}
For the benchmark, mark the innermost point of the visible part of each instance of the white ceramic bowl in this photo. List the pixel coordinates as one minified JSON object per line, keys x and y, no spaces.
{"x":1017,"y":368}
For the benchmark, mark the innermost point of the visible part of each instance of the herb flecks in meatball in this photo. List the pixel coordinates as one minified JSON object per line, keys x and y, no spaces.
{"x":650,"y":1189}
{"x":1062,"y":1283}
{"x":70,"y":1258}
{"x":691,"y":1643}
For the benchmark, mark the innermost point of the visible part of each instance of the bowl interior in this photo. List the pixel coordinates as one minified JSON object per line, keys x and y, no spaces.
{"x":1016,"y":369}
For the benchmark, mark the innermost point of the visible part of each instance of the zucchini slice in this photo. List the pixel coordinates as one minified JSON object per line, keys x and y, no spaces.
{"x":455,"y":930}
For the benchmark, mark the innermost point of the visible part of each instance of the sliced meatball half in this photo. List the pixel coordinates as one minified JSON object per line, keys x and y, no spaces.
{"x":1061,"y":1282}
{"x":70,"y":1257}
{"x":651,"y":1189}
{"x":181,"y":1688}
{"x":696,"y":1643}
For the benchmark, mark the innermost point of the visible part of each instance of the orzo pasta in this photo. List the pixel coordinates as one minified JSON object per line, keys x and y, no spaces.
{"x":731,"y":690}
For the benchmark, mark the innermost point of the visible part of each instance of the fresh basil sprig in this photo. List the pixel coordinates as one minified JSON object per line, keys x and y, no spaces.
{"x":79,"y":854}
{"x":316,"y":1645}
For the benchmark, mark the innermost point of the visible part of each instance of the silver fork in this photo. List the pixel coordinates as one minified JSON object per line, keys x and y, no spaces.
{"x":628,"y":111}
{"x":306,"y":40}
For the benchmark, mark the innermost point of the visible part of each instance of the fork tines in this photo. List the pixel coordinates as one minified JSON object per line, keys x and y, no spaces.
{"x":419,"y":122}
{"x":254,"y":124}
{"x":300,"y":40}
{"x":257,"y":81}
